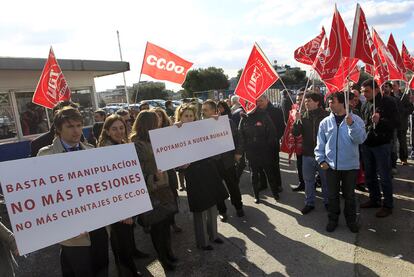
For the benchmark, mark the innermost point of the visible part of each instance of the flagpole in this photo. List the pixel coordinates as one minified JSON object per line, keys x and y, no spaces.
{"x":47,"y":118}
{"x":140,"y":73}
{"x":285,"y":88}
{"x":123,"y":73}
{"x":304,"y":93}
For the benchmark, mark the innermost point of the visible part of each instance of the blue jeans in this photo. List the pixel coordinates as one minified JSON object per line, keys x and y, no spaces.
{"x":377,"y":160}
{"x":309,"y":167}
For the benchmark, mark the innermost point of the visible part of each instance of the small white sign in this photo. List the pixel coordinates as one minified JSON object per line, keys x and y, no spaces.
{"x":53,"y":198}
{"x":191,"y":142}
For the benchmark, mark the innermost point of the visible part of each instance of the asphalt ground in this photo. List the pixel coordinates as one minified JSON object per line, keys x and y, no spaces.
{"x":275,"y":239}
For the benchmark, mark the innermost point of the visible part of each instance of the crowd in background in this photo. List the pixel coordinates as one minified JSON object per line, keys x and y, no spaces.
{"x":337,"y":148}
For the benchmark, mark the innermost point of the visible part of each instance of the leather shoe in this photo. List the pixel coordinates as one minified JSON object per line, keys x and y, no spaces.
{"x":307,"y":209}
{"x":384,"y":212}
{"x":223,"y":217}
{"x":240,"y":212}
{"x":139,"y":254}
{"x":331,"y":226}
{"x":207,"y":248}
{"x":370,"y":204}
{"x":353,"y":227}
{"x":218,"y":241}
{"x":257,"y":200}
{"x":301,"y":187}
{"x":276,"y":196}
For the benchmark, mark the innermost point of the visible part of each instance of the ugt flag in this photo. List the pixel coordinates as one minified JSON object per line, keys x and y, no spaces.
{"x":161,"y":64}
{"x":257,"y":76}
{"x":306,"y":54}
{"x":52,"y":86}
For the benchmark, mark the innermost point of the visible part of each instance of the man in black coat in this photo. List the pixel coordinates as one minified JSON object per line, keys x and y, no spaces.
{"x":376,"y":150}
{"x":276,"y":115}
{"x":258,"y":139}
{"x":405,"y":108}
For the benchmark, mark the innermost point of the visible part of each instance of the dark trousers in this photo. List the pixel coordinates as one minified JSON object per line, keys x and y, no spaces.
{"x":123,"y":246}
{"x":161,"y":239}
{"x":377,"y":162}
{"x":76,"y":261}
{"x":229,"y":176}
{"x":271,"y":177}
{"x":99,"y":252}
{"x":341,"y":180}
{"x":299,"y":165}
{"x":402,"y":140}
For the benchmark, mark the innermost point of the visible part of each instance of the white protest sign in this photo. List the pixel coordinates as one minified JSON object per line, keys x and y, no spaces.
{"x":191,"y":142}
{"x":53,"y":198}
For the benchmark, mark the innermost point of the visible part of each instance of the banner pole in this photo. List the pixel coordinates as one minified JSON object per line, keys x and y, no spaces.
{"x":47,"y":118}
{"x":285,"y":88}
{"x":306,"y":88}
{"x":140,"y":73}
{"x":123,"y":73}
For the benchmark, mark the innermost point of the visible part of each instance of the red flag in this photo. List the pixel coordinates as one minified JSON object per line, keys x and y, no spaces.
{"x":392,"y":47}
{"x":411,"y":84}
{"x":52,"y":86}
{"x":257,"y":76}
{"x":348,"y":71}
{"x":387,"y":59}
{"x":319,"y":62}
{"x":291,"y":144}
{"x":360,"y":44}
{"x":161,"y":64}
{"x":406,"y":57}
{"x":306,"y":54}
{"x":369,"y":69}
{"x":338,"y":47}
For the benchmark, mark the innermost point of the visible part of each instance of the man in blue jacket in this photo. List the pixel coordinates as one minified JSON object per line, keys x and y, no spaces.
{"x":337,"y":152}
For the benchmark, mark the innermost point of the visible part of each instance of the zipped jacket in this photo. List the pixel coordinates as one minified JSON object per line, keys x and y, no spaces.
{"x":338,"y":144}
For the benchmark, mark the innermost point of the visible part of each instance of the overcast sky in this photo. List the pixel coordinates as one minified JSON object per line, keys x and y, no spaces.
{"x":208,"y":33}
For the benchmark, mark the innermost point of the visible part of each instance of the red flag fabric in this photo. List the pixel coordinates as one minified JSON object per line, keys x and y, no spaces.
{"x":392,"y":47}
{"x":387,"y":59}
{"x":257,"y":76}
{"x":406,"y":57}
{"x":319,"y":62}
{"x":291,"y":144}
{"x":306,"y":54}
{"x":348,"y":71}
{"x":360,"y":44}
{"x":52,"y":86}
{"x":161,"y":64}
{"x":369,"y":69}
{"x":338,"y":47}
{"x":411,"y":84}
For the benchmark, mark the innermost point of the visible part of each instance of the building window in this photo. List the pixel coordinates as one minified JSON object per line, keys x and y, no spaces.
{"x":32,"y":117}
{"x":7,"y":120}
{"x":84,"y":99}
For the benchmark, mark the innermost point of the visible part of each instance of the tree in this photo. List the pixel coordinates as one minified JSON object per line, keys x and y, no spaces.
{"x":148,"y":90}
{"x":205,"y":79}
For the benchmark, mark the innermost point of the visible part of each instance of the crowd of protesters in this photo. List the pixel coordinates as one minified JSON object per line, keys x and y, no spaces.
{"x":339,"y":149}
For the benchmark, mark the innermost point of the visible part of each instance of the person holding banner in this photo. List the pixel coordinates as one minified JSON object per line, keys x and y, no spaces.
{"x":114,"y":132}
{"x":8,"y":247}
{"x":162,"y":199}
{"x":205,"y":189}
{"x":380,"y":121}
{"x":86,"y":254}
{"x":258,"y":139}
{"x":225,"y":164}
{"x":164,"y":121}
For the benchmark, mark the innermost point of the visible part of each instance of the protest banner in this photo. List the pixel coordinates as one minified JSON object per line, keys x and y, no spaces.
{"x":53,"y":198}
{"x":191,"y":142}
